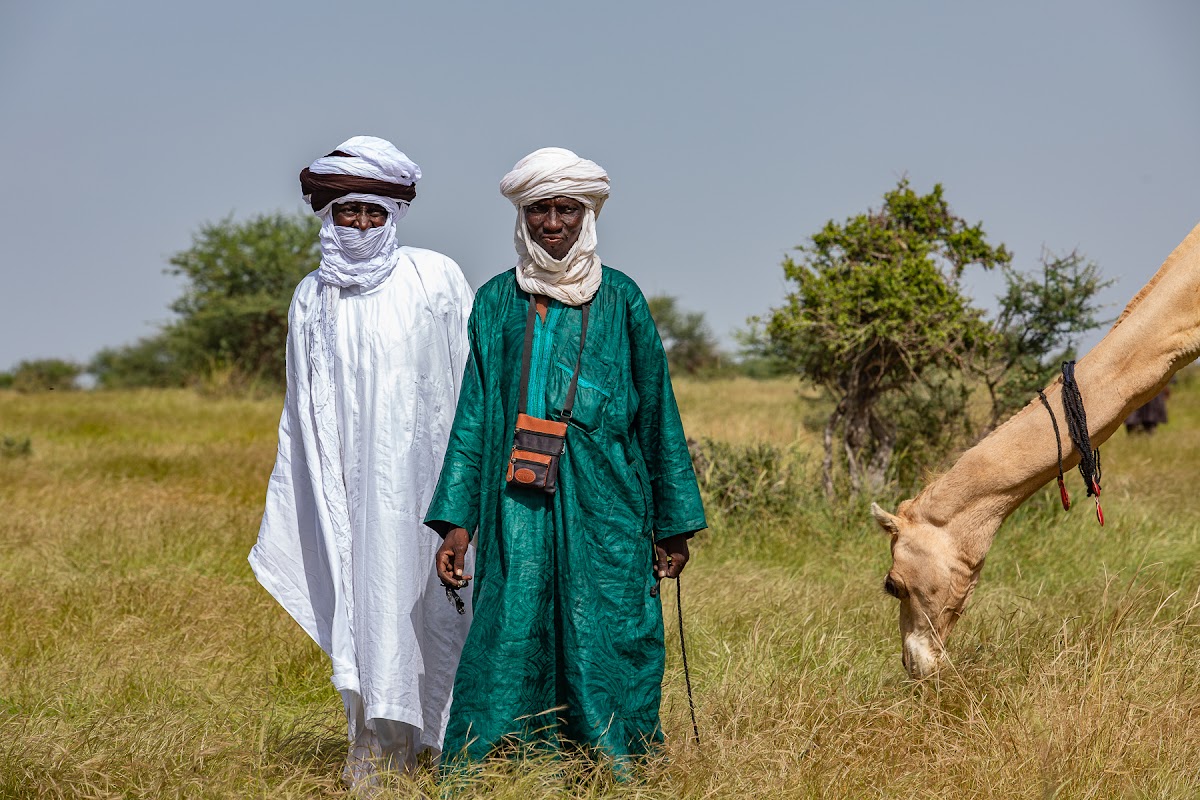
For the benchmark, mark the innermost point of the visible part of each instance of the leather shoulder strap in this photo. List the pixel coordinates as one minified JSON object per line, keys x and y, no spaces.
{"x":525,"y":355}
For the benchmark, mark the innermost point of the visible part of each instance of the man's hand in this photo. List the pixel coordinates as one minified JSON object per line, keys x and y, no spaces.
{"x":450,"y":559}
{"x":670,"y":556}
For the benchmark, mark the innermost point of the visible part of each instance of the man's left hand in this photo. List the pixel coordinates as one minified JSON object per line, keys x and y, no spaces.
{"x":670,"y":556}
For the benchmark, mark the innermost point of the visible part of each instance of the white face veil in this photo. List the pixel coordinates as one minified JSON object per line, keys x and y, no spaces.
{"x":541,"y":175}
{"x":353,"y":257}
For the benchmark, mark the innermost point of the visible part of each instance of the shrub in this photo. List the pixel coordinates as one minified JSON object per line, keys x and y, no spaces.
{"x":12,"y":447}
{"x":744,"y":478}
{"x":46,"y":375}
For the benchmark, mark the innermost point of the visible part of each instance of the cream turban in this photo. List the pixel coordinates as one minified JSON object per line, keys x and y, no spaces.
{"x":555,"y":172}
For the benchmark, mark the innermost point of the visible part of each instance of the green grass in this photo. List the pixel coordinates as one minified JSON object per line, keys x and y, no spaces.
{"x":138,"y":657}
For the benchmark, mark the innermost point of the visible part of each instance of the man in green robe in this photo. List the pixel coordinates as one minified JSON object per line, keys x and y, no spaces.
{"x":566,"y":645}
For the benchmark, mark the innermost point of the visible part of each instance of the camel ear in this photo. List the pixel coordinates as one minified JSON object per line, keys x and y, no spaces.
{"x":889,"y":523}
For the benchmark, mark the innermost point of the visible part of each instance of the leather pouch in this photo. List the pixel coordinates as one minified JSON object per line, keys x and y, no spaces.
{"x":537,"y":446}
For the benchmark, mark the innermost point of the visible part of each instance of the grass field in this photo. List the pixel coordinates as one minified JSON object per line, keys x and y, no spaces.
{"x":138,"y":657}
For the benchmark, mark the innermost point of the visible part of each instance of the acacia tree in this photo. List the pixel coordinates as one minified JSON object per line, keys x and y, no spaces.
{"x":877,"y":312}
{"x":232,"y":315}
{"x":879,"y":319}
{"x":1038,"y":326}
{"x":240,"y":279}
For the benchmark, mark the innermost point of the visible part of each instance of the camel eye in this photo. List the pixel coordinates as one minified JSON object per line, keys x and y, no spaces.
{"x":891,"y":587}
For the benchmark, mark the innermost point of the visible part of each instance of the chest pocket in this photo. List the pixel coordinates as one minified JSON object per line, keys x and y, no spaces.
{"x":590,"y":398}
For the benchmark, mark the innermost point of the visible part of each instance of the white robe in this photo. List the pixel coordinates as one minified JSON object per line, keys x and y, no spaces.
{"x":398,"y":361}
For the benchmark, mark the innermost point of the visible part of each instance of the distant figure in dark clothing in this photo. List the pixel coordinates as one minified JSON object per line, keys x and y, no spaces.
{"x":1148,"y":417}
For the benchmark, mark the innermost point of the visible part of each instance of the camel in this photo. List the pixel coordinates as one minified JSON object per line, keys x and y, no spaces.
{"x":940,"y":538}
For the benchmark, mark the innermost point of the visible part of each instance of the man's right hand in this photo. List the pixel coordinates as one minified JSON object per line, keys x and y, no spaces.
{"x":451,"y":557}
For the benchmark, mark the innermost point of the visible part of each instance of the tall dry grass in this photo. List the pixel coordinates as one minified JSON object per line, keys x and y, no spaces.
{"x":138,"y":658}
{"x":783,"y":412}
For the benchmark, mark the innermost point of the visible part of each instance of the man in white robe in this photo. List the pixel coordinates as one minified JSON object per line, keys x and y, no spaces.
{"x":376,"y":348}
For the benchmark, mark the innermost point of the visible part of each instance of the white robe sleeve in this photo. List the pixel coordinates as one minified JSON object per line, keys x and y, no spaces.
{"x":291,"y":559}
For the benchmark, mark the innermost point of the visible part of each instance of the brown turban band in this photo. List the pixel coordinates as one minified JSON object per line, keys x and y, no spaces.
{"x":324,"y":189}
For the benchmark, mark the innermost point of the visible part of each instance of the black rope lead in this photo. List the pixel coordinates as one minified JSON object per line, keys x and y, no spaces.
{"x":1062,"y":486}
{"x":1089,"y":458}
{"x":687,"y":676}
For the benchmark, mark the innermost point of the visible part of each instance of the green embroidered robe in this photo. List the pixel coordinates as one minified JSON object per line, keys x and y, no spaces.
{"x":566,"y":641}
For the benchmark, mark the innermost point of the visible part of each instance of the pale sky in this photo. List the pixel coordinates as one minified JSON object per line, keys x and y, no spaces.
{"x":731,"y":132}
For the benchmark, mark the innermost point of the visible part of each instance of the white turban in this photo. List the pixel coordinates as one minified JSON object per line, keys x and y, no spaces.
{"x":369,"y":170}
{"x":372,"y":157}
{"x":541,"y":175}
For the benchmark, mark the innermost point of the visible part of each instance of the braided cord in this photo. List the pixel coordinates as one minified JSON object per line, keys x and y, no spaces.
{"x":1089,"y":458}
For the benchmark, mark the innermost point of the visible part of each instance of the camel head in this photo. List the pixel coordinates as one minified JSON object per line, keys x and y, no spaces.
{"x":931,"y":580}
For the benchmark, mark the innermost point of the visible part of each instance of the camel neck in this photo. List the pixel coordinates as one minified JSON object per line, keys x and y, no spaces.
{"x":1157,"y":334}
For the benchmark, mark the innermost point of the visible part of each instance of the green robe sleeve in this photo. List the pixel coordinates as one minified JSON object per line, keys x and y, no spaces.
{"x":677,"y":504}
{"x":456,"y":500}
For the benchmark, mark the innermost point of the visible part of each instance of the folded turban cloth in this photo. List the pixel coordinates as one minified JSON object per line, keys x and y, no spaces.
{"x":555,"y":172}
{"x":361,"y":165}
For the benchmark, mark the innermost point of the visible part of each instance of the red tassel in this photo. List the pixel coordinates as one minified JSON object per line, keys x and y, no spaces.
{"x":1062,"y":491}
{"x":1099,"y":510}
